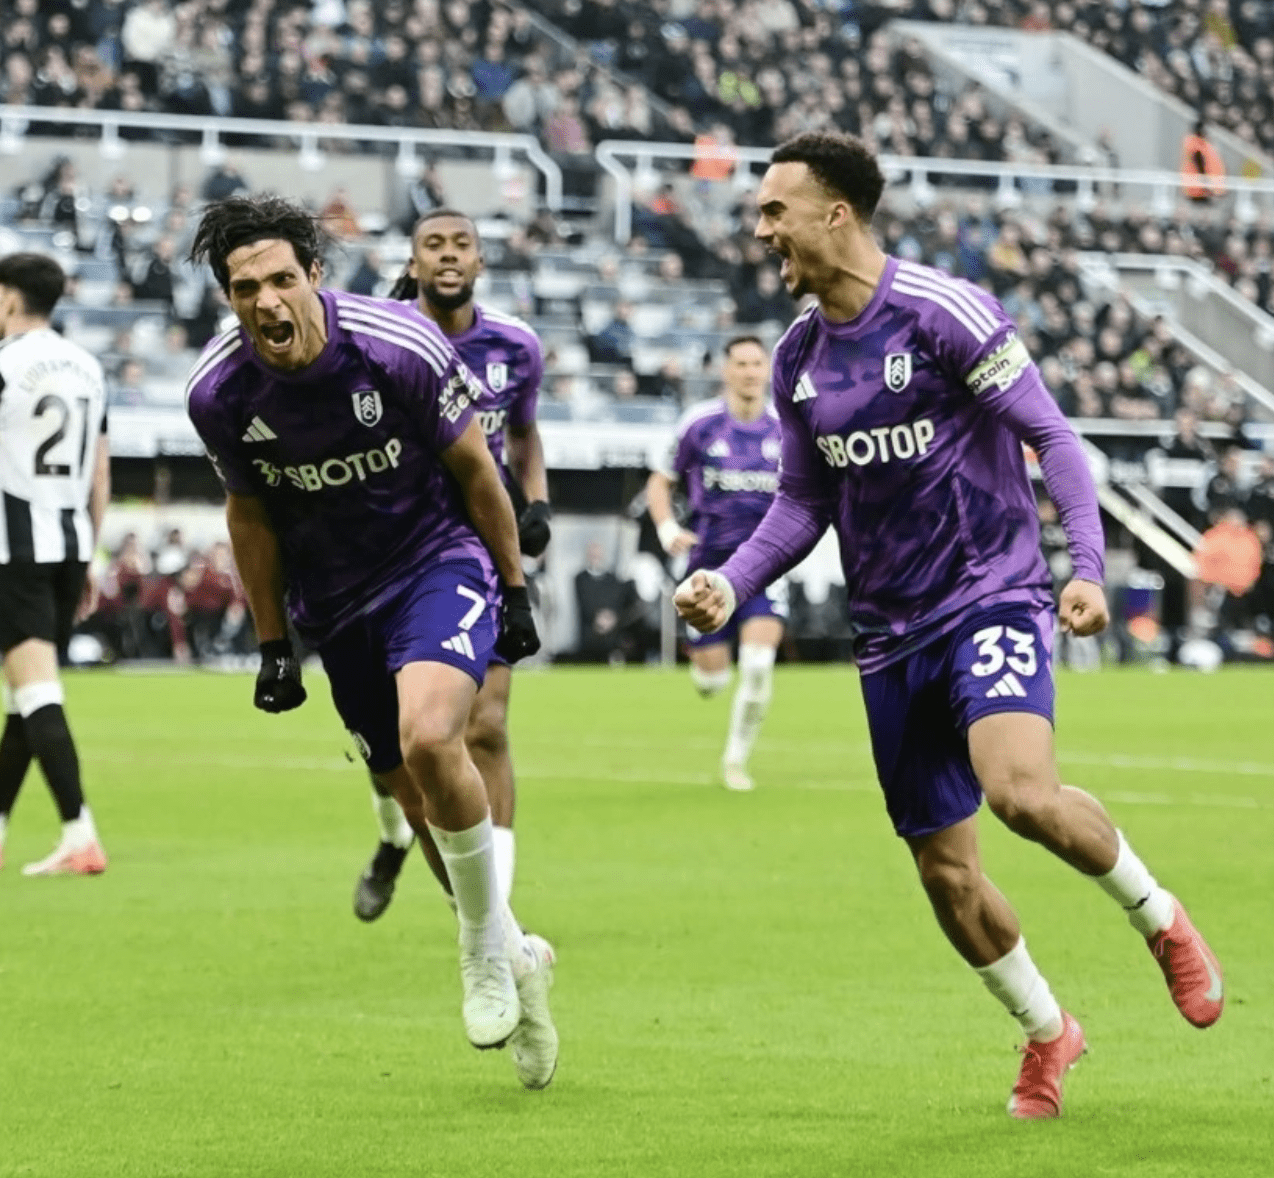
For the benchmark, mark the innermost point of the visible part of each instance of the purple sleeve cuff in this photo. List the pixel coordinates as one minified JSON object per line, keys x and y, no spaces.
{"x":784,"y":538}
{"x":1035,"y":418}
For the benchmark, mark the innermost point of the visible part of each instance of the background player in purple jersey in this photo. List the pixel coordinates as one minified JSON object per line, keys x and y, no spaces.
{"x":506,"y":354}
{"x":726,"y":457}
{"x":905,"y":397}
{"x":362,"y":498}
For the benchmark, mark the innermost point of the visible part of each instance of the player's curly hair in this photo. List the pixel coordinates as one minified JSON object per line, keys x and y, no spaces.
{"x":37,"y":278}
{"x":407,"y":289}
{"x":240,"y":220}
{"x":843,"y":164}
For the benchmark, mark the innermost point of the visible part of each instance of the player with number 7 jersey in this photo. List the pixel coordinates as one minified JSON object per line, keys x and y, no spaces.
{"x":363,"y":504}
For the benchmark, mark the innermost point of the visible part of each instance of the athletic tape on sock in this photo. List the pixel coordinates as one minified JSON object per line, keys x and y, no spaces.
{"x":33,"y":696}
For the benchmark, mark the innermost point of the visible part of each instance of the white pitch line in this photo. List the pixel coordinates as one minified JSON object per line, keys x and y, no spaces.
{"x":641,"y":777}
{"x":1168,"y":764}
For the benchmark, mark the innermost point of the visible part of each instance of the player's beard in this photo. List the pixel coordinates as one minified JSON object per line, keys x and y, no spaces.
{"x":448,"y":302}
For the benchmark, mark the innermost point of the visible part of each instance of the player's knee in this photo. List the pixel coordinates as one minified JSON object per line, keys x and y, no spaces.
{"x":488,"y":731}
{"x":429,"y":739}
{"x":709,"y":682}
{"x":1024,"y":803}
{"x":950,"y":883}
{"x":756,"y":670}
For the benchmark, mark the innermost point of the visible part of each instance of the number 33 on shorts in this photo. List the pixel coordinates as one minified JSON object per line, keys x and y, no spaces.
{"x":1006,"y":658}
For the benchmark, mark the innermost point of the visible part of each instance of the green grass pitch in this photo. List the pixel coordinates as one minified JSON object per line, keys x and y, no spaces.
{"x":747,"y":984}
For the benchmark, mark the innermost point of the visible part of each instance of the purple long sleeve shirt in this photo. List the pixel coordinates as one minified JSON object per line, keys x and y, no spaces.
{"x":903,"y":430}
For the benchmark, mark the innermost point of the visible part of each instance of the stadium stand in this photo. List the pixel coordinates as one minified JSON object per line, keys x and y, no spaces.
{"x":632,"y":329}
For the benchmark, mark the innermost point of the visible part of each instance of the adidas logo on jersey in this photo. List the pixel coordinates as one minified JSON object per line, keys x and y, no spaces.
{"x":805,"y":390}
{"x":1009,"y":685}
{"x":460,"y":644}
{"x":258,"y":431}
{"x":719,"y":449}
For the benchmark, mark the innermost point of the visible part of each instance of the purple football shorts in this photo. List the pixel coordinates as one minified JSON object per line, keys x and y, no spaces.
{"x":448,"y":614}
{"x":919,"y":710}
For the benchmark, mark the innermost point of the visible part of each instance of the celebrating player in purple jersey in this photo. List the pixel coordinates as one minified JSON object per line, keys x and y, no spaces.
{"x":506,"y":354}
{"x":905,"y":397}
{"x":362,"y":498}
{"x":726,"y":456}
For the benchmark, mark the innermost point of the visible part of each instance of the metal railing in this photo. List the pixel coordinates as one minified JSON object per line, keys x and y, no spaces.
{"x":1105,"y":270}
{"x":14,"y":121}
{"x":1013,"y":181}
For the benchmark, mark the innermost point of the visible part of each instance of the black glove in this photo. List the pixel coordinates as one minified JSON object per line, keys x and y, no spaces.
{"x":517,"y":627}
{"x":533,"y":528}
{"x":279,"y":680}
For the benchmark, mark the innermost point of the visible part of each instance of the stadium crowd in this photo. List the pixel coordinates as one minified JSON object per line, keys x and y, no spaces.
{"x":768,"y":69}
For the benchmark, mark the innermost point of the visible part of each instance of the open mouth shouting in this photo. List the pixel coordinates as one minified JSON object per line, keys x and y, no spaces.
{"x":278,"y":335}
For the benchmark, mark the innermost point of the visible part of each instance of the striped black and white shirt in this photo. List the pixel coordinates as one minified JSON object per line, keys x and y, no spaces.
{"x":52,"y":409}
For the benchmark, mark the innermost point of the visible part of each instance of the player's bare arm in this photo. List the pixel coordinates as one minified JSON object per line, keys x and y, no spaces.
{"x":487,"y":501}
{"x":256,"y":552}
{"x":100,"y":492}
{"x":526,"y":461}
{"x":672,"y":535}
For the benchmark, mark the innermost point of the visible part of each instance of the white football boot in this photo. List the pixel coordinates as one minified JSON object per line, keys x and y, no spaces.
{"x":491,"y":1009}
{"x":534,"y":1042}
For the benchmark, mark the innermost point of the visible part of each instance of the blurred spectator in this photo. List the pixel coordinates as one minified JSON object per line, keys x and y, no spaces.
{"x":128,"y":387}
{"x":223,"y":181}
{"x":1229,"y":556}
{"x":1225,"y":489}
{"x":366,"y":277}
{"x":338,"y":216}
{"x":606,"y":606}
{"x":767,"y":301}
{"x":156,"y":280}
{"x":613,"y":344}
{"x":1202,"y":171}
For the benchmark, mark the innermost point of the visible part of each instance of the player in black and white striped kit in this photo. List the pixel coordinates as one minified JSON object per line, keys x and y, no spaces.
{"x":54,"y":486}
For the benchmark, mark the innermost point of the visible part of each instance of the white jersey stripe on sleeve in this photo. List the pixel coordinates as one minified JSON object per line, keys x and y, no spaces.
{"x":360,"y":313}
{"x":957,"y":312}
{"x":932,"y":280}
{"x":387,"y":332}
{"x":220,"y":350}
{"x":405,"y":344}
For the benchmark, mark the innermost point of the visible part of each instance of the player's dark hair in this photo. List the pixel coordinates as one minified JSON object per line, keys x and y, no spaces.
{"x":37,"y":278}
{"x":734,"y":342}
{"x":843,"y":164}
{"x":407,"y":288}
{"x":240,"y":220}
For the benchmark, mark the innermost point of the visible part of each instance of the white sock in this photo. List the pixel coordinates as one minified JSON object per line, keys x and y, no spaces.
{"x":394,"y":827}
{"x":1021,"y":988}
{"x":505,"y":859}
{"x":751,"y":699}
{"x":4,"y":827}
{"x":505,"y":849}
{"x":79,"y":832}
{"x":1130,"y":884}
{"x":470,"y":866}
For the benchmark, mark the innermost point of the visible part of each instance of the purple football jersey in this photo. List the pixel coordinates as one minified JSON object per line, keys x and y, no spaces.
{"x":504,"y":353}
{"x":729,"y":471}
{"x":345,"y":454}
{"x":903,"y":428}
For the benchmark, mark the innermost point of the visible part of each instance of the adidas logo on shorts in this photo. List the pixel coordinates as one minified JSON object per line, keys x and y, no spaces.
{"x":1009,"y":685}
{"x":460,"y":644}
